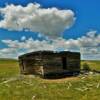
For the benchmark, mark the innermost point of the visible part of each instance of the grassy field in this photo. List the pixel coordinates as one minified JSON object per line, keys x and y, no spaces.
{"x":13,"y":86}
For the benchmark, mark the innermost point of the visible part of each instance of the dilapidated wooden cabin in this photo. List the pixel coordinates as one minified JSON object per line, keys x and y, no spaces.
{"x":50,"y":63}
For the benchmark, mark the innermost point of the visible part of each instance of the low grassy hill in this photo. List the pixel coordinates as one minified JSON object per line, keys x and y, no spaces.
{"x":94,"y":65}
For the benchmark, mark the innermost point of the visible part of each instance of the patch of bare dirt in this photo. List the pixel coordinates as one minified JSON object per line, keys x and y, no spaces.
{"x":61,"y":80}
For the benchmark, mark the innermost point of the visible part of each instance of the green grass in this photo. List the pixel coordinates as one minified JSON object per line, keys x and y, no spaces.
{"x":8,"y":68}
{"x":92,"y":64}
{"x":16,"y":87}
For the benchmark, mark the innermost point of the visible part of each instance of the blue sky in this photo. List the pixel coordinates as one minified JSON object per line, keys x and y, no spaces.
{"x":86,"y":13}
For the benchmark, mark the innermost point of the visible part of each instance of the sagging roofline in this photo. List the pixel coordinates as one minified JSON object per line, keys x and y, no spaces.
{"x":48,"y":52}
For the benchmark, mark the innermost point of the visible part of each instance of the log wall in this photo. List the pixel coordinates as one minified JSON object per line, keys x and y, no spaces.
{"x":31,"y":66}
{"x":52,"y":64}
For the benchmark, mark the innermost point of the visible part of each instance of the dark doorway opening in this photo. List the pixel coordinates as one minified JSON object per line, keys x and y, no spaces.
{"x":23,"y":65}
{"x":64,"y":63}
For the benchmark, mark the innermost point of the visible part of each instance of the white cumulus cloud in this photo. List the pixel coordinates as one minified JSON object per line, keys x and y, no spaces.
{"x":88,"y":45}
{"x":23,"y":38}
{"x":48,"y":21}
